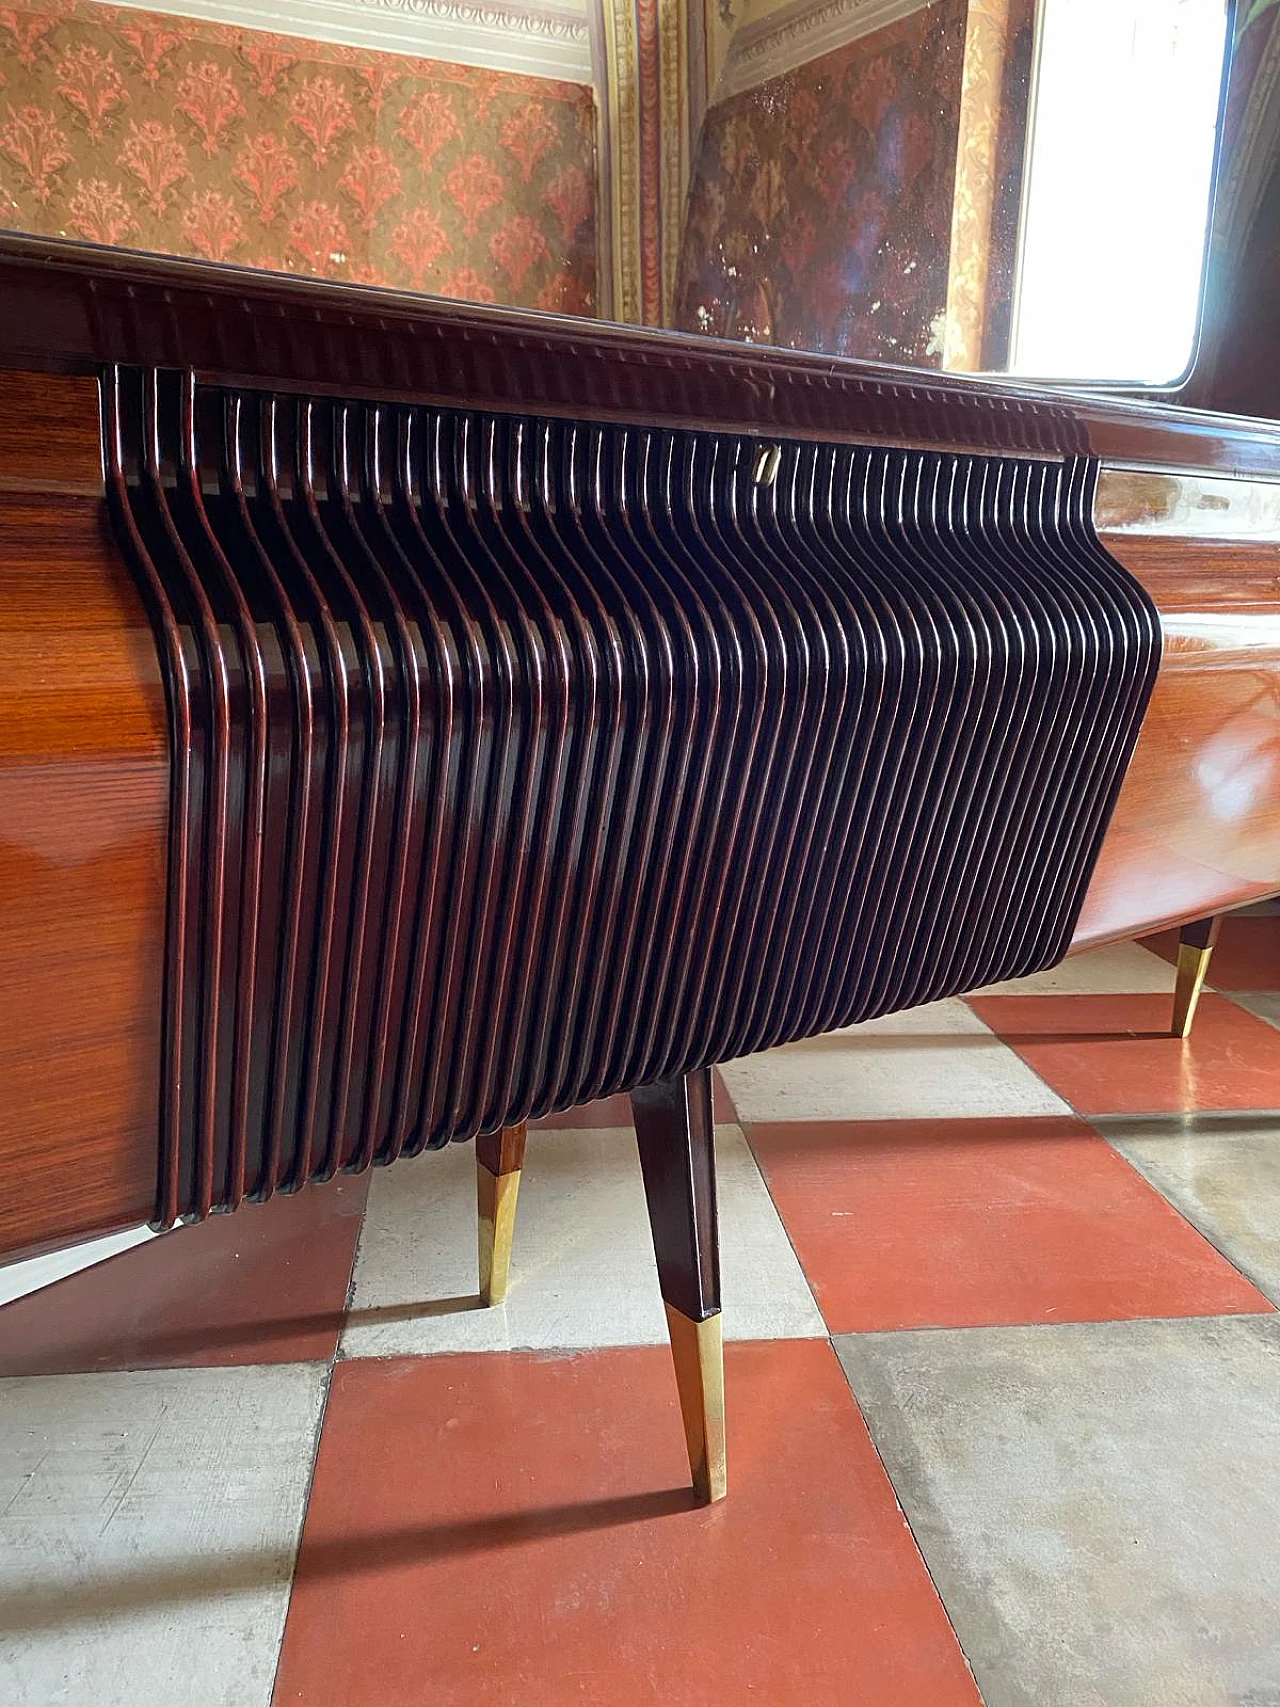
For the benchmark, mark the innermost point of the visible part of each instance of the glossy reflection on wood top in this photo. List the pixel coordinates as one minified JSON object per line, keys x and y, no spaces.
{"x":1197,"y":826}
{"x":1187,"y":506}
{"x":83,"y":829}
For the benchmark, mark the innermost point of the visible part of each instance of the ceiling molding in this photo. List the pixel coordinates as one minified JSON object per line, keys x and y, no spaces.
{"x":798,"y":33}
{"x":536,"y":39}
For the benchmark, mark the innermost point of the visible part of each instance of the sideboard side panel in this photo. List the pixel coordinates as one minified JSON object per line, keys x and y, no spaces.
{"x":1196,"y":829}
{"x":84,"y":779}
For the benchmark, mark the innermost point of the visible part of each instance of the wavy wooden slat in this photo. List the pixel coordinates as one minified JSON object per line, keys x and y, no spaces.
{"x":521,"y":761}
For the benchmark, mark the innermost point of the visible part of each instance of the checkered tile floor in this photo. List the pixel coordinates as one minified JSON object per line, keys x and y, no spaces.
{"x":1003,"y":1380}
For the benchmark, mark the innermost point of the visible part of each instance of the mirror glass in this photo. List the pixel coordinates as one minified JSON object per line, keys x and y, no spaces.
{"x":1003,"y":186}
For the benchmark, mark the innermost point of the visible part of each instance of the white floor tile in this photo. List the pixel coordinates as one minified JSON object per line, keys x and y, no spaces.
{"x":1120,"y":969}
{"x":582,"y":1269}
{"x":149,"y":1529}
{"x":937,"y":1062}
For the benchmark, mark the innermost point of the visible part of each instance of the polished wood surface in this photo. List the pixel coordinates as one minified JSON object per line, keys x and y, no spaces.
{"x":49,"y":437}
{"x":1196,"y":829}
{"x":1153,"y":503}
{"x":72,"y":308}
{"x":83,"y":829}
{"x":675,"y":1132}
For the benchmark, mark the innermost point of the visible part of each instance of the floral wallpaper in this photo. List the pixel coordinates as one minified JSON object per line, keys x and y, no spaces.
{"x":164,"y":133}
{"x":820,"y":209}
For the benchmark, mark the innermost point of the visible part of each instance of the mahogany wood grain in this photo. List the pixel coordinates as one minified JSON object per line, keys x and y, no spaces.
{"x":1196,"y":829}
{"x":83,"y":831}
{"x":49,"y":435}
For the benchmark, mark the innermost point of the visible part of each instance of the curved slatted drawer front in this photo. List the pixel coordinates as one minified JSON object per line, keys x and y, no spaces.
{"x":516,"y":762}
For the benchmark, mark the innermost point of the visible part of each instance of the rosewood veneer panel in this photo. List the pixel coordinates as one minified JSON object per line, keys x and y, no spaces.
{"x":84,"y":779}
{"x":1197,"y":825}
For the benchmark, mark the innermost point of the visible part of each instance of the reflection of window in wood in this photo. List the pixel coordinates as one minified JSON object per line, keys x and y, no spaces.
{"x":1119,"y":172}
{"x":864,"y":199}
{"x":819,"y":213}
{"x":990,"y":146}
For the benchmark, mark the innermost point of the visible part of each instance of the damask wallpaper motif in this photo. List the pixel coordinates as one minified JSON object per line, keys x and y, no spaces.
{"x":820,"y":210}
{"x":192,"y":138}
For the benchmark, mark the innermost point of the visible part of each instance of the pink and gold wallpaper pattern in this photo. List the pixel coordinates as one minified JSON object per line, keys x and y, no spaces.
{"x":821,"y":203}
{"x":192,"y":138}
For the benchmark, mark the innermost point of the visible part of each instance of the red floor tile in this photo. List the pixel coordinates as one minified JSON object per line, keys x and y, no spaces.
{"x":968,"y":1223}
{"x":616,"y":1111}
{"x":1114,"y":1055}
{"x":1246,"y":957}
{"x":265,"y":1285}
{"x":517,"y":1529}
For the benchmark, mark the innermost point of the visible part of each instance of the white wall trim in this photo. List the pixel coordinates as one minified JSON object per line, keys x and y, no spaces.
{"x":803,"y":31}
{"x":537,"y":39}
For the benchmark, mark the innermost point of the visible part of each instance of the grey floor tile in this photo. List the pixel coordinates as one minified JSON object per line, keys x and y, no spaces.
{"x":1099,"y":1504}
{"x":149,"y":1527}
{"x":1222,"y":1171}
{"x":1264,"y":1003}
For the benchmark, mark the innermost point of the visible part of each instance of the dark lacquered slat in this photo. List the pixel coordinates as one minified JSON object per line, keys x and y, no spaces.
{"x":293,"y":824}
{"x":240,"y":961}
{"x":183,"y":690}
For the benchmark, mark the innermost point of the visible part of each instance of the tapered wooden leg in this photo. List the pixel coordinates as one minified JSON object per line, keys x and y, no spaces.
{"x":1195,"y":949}
{"x":676,"y":1135}
{"x":499,"y":1159}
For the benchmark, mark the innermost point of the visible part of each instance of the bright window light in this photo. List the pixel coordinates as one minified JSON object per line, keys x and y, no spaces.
{"x":1118,"y":181}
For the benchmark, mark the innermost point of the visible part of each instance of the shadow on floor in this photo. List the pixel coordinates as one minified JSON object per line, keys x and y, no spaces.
{"x":172,"y":1349}
{"x":183,"y":1581}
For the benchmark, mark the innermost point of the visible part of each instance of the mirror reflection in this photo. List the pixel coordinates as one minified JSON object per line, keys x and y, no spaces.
{"x":980,"y":185}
